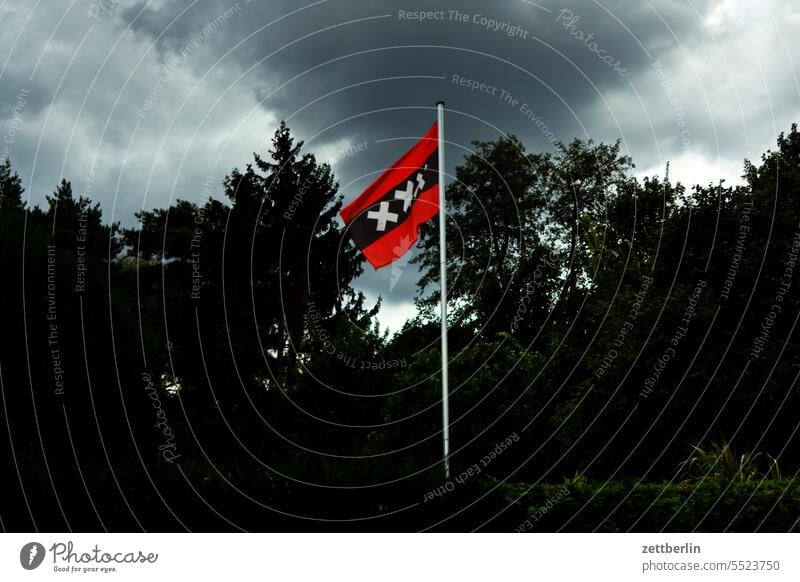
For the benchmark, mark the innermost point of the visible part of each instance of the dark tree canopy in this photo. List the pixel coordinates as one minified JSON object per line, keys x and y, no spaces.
{"x":630,"y":340}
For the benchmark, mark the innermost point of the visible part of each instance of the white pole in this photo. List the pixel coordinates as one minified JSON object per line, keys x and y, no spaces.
{"x":443,"y":275}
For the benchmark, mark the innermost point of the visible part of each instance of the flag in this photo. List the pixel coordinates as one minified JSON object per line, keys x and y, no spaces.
{"x":384,"y":220}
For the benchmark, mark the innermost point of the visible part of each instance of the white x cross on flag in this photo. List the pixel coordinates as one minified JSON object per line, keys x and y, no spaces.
{"x":382,"y":215}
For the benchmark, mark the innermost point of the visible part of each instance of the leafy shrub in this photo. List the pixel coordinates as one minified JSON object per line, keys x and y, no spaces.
{"x":713,"y":505}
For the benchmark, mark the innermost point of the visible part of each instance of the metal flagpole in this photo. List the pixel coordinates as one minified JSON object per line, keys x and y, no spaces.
{"x":443,"y":275}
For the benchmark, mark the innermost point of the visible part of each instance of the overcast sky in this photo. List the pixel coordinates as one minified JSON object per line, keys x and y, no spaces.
{"x":139,"y":103}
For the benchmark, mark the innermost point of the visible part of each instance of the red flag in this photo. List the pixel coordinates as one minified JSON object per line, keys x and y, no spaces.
{"x":384,"y":220}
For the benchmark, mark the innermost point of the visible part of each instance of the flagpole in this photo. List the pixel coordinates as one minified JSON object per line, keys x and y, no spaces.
{"x":443,"y":275}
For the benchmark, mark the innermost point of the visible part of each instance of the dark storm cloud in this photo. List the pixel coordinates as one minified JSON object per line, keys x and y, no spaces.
{"x":545,"y":61}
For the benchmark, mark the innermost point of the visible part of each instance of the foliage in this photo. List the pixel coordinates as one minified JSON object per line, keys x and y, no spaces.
{"x":621,"y":506}
{"x":719,"y":461}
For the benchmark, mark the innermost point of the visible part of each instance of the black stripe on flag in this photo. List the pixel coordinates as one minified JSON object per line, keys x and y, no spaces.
{"x":395,"y":207}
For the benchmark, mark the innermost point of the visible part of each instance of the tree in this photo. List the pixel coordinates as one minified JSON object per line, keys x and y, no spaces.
{"x":10,"y":188}
{"x":241,"y":291}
